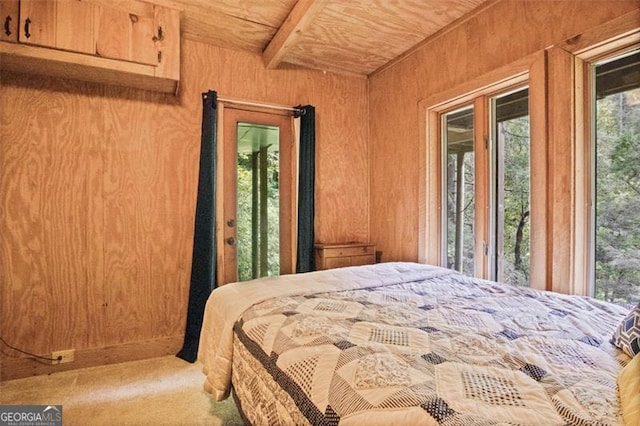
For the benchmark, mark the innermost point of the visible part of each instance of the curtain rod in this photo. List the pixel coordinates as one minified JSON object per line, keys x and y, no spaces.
{"x":261,"y":105}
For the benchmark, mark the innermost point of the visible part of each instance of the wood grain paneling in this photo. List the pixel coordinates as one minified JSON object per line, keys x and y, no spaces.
{"x":499,"y":35}
{"x":98,"y":188}
{"x":230,"y":32}
{"x":362,"y":36}
{"x":539,"y":159}
{"x":561,"y":194}
{"x":44,"y":186}
{"x":394,"y":170}
{"x":297,"y":21}
{"x":271,"y":13}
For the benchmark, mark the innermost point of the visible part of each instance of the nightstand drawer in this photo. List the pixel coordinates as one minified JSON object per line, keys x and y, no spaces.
{"x":342,"y":250}
{"x":335,"y":262}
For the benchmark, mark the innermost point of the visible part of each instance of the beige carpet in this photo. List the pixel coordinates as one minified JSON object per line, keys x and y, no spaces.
{"x":158,"y":391}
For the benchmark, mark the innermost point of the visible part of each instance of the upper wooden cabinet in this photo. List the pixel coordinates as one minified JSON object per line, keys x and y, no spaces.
{"x":93,"y":40}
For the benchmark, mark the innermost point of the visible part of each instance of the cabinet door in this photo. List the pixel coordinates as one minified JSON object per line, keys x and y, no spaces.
{"x":10,"y":20}
{"x":126,"y":34}
{"x":65,"y":25}
{"x":75,"y":26}
{"x":38,"y":22}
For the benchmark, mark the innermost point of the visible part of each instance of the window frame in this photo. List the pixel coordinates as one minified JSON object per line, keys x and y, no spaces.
{"x":609,"y":39}
{"x":586,"y":62}
{"x":526,"y":72}
{"x":485,"y":169}
{"x":494,"y":181}
{"x":443,"y":171}
{"x":560,"y":193}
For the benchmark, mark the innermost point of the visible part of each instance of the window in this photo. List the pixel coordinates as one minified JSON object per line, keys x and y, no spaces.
{"x":552,"y":199}
{"x":258,"y":201}
{"x":485,"y":187}
{"x":459,"y":189}
{"x":616,"y":178}
{"x":511,"y":187}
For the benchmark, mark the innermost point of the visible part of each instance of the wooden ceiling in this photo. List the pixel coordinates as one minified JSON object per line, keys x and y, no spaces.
{"x":343,"y":36}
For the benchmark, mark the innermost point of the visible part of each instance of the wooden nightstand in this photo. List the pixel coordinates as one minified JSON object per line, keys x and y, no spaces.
{"x":349,"y":254}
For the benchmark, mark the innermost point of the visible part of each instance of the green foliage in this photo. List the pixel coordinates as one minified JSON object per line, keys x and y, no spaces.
{"x":244,"y":216}
{"x":617,"y":256}
{"x":468,"y":212}
{"x":515,"y":134}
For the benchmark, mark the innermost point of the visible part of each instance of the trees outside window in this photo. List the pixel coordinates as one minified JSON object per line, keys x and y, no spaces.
{"x":258,"y":201}
{"x":617,"y":180}
{"x":458,"y":138}
{"x":511,"y":234}
{"x":507,"y":174}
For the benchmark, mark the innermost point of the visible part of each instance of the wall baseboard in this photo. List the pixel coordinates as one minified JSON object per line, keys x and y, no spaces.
{"x":16,"y":368}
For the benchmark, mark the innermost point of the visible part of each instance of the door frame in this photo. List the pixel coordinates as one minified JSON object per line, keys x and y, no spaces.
{"x":229,"y":116}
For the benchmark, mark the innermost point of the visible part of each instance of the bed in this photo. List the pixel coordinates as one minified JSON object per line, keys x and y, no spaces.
{"x":405,"y":343}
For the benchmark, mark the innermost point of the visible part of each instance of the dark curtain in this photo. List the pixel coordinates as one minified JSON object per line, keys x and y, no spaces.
{"x":306,"y":189}
{"x":203,"y":269}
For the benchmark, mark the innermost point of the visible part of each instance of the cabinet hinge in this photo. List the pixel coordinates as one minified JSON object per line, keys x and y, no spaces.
{"x":486,"y":142}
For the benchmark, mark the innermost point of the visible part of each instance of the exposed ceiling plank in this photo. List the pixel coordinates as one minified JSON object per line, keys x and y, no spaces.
{"x":270,"y":13}
{"x":299,"y":18}
{"x":225,"y":30}
{"x":467,"y":16}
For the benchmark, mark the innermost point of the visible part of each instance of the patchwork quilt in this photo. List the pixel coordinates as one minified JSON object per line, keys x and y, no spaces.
{"x":413,"y":344}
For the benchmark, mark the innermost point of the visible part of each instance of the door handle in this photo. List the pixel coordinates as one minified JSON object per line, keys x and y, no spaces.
{"x":230,"y":241}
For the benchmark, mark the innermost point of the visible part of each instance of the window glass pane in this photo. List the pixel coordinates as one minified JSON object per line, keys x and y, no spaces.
{"x":258,"y":210}
{"x":617,"y":180}
{"x":459,"y":189}
{"x":510,"y":129}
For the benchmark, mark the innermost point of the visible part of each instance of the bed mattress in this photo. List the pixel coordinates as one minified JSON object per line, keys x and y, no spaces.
{"x":406,"y":343}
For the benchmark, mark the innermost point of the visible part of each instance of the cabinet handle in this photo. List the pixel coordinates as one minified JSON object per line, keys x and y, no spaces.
{"x":27,"y":22}
{"x":160,"y":35}
{"x":7,"y":25}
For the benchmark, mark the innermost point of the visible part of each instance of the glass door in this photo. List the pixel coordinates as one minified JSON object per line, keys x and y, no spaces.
{"x":257,"y":201}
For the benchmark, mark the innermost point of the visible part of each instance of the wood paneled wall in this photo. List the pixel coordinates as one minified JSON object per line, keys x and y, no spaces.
{"x":97,"y":198}
{"x":495,"y":37}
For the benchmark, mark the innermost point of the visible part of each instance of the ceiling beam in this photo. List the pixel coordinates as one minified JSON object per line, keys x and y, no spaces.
{"x":299,"y":18}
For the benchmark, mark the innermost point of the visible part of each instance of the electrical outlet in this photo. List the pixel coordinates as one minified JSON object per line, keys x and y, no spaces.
{"x":61,"y":357}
